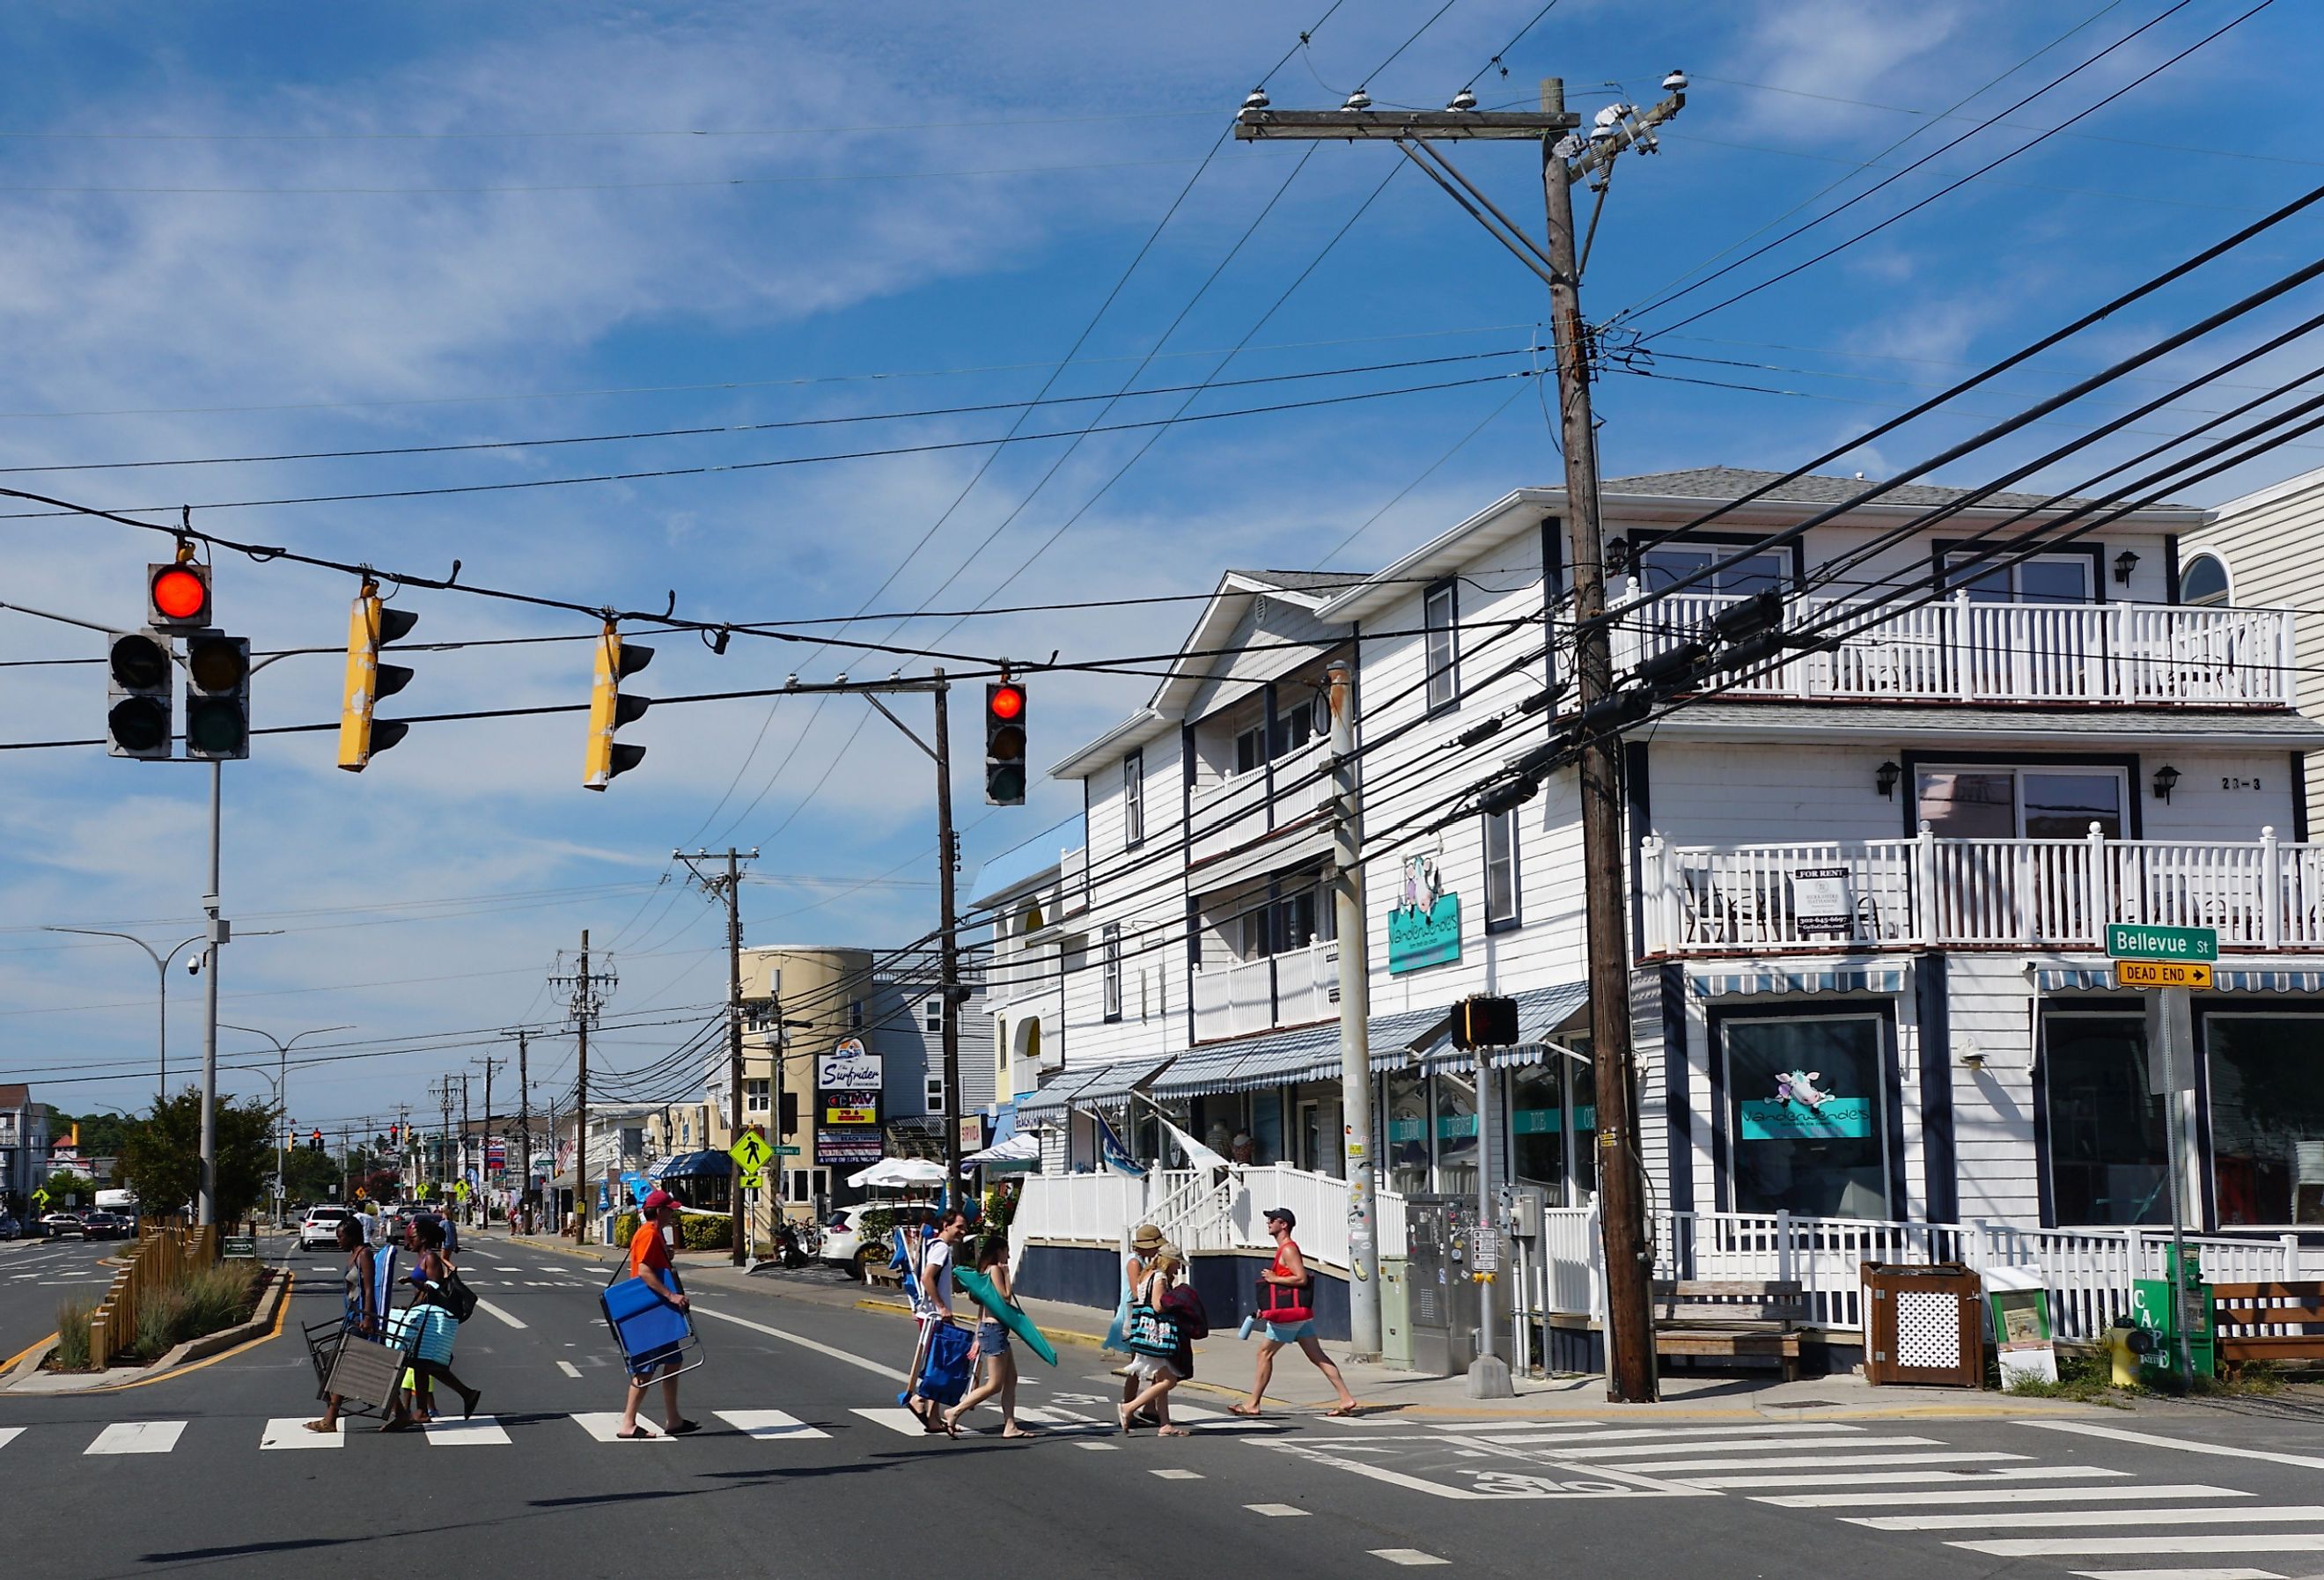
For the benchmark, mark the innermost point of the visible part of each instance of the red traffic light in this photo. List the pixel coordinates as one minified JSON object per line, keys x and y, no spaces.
{"x":180,"y":593}
{"x":1005,"y":702}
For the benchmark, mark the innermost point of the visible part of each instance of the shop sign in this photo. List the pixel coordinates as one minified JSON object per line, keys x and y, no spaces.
{"x":1803,"y":1111}
{"x":1820,"y":901}
{"x":972,"y":1133}
{"x":850,"y":1108}
{"x":850,"y":1145}
{"x":849,"y":1069}
{"x":1424,"y":929}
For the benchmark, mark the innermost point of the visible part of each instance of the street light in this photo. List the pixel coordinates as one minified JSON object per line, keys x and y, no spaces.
{"x":280,"y":1079}
{"x":162,"y":968}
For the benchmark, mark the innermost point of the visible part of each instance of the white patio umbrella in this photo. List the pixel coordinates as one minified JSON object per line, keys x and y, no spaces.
{"x":896,"y":1173}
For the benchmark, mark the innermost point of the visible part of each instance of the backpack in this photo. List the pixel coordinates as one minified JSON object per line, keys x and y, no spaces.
{"x":1187,"y":1305}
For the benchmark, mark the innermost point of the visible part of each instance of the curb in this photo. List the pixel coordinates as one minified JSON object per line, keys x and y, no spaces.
{"x":264,"y":1322}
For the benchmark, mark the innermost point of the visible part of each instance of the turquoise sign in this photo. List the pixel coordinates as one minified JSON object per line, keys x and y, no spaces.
{"x":1777,"y":1121}
{"x":1417,"y":938}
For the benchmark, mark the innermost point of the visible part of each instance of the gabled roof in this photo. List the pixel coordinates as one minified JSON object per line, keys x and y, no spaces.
{"x":14,"y":1097}
{"x":1035,"y":860}
{"x":1725,"y":482}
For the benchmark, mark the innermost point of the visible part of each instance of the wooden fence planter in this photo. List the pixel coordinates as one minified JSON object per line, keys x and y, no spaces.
{"x":162,"y":1257}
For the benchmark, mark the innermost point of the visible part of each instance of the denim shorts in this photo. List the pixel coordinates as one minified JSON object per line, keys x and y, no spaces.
{"x":1288,"y":1333}
{"x":991,"y":1338}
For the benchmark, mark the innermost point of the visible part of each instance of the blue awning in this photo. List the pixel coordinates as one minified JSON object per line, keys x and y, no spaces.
{"x":2101,"y":979}
{"x":1058,"y":1094}
{"x":1888,"y":980}
{"x":704,"y":1165}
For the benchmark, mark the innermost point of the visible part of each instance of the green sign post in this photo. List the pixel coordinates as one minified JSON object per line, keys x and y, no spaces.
{"x":2131,"y":940}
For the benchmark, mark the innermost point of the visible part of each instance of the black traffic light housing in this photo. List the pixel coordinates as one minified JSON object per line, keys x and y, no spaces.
{"x":1485,"y":1020}
{"x":137,"y":717}
{"x":178,"y":595}
{"x":217,"y":697}
{"x":1004,"y":743}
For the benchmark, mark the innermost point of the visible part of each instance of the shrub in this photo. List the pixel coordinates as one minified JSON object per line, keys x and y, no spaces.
{"x":72,"y":1334}
{"x":200,"y":1302}
{"x":696,"y":1231}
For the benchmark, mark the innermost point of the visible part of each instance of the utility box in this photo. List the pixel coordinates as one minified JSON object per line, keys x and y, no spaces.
{"x":1447,"y":1301}
{"x":1922,"y":1324}
{"x":2150,"y":1308}
{"x":1396,"y":1312}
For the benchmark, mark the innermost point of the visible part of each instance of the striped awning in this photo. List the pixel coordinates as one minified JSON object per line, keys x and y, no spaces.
{"x":1114,"y":1083}
{"x":1059,"y":1094}
{"x":2101,"y":978}
{"x":1887,"y":980}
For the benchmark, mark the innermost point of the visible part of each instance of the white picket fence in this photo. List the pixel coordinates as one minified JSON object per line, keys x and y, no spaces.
{"x":2089,"y":1271}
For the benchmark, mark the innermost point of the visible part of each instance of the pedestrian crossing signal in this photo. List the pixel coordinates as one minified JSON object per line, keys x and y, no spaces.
{"x":1485,"y":1020}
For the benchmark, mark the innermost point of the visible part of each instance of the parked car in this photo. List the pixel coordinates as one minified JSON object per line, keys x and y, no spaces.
{"x":9,"y":1228}
{"x":319,"y":1229}
{"x":101,"y":1225}
{"x":56,"y":1225}
{"x":843,"y":1244}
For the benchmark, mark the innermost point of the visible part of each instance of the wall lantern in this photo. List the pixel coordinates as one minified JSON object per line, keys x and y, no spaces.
{"x":1884,"y":777}
{"x":2124,"y":564}
{"x":1617,"y":556}
{"x":2165,"y":776}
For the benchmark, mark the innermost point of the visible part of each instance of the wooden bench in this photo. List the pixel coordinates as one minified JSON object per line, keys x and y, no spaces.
{"x":878,"y":1273}
{"x":1729,"y":1319}
{"x":2267,"y":1322}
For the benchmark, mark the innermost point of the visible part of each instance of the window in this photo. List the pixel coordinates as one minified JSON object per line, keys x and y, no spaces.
{"x":1297,"y":707}
{"x":935,"y":1093}
{"x":932,"y":1017}
{"x":1278,"y":926}
{"x":856,"y":1014}
{"x":1133,"y":799}
{"x":1827,"y":1159}
{"x":2024,"y":803}
{"x":1250,"y":748}
{"x":2204,"y":581}
{"x":2268,"y":1119}
{"x":1501,"y":870}
{"x":1440,"y":615}
{"x":754,"y":1096}
{"x":2045,"y":579}
{"x":1456,"y":1133}
{"x":2109,"y":1157}
{"x":1406,"y":1107}
{"x":1112,"y":948}
{"x":1662,"y":564}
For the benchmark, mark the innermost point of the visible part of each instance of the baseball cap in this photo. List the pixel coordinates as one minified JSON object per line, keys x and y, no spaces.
{"x":1283,"y":1216}
{"x":657,"y":1199}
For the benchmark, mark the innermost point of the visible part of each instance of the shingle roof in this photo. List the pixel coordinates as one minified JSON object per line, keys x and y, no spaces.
{"x":1720,"y":483}
{"x":14,"y":1097}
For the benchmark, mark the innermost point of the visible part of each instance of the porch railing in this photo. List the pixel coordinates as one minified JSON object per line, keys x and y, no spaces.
{"x":1290,"y":989}
{"x":1962,"y":649}
{"x":1821,"y":895}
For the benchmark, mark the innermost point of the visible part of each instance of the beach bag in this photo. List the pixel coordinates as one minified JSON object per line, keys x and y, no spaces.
{"x":944,"y":1375}
{"x":1192,"y":1316}
{"x":1151,"y":1333}
{"x":455,"y":1296}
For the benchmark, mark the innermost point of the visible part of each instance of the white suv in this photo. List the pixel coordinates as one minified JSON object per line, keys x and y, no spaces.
{"x":319,"y":1231}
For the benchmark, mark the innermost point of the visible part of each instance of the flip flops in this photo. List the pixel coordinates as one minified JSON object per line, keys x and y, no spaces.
{"x":684,"y":1426}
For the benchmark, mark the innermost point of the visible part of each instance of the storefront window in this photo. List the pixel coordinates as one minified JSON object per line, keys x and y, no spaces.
{"x":2267,"y":1118}
{"x":1265,"y":1127}
{"x":1456,"y":1134}
{"x":1406,"y":1107}
{"x":1537,"y":1127}
{"x":2109,"y":1157}
{"x":1807,"y":1111}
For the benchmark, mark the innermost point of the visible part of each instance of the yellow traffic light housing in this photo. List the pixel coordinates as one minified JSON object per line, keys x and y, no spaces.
{"x":609,"y":710}
{"x":370,"y":626}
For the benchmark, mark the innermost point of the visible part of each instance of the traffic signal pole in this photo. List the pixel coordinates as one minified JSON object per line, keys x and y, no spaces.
{"x":206,"y":1205}
{"x":948,"y":968}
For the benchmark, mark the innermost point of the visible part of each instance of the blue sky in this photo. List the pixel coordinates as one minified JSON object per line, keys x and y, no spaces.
{"x":236,"y":231}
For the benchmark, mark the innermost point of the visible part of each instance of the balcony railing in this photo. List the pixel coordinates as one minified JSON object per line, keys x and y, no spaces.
{"x":1243,"y":996}
{"x":1235,"y":811}
{"x":2260,"y":894}
{"x":1958,"y":650}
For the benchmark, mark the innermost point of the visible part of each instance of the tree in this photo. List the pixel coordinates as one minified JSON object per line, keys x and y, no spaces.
{"x":309,"y":1175}
{"x":100,"y":1133}
{"x":66,"y":1187}
{"x":160,"y":1156}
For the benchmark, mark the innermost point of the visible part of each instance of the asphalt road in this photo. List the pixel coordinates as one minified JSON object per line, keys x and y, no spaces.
{"x":36,"y":1275}
{"x":802,"y":1469}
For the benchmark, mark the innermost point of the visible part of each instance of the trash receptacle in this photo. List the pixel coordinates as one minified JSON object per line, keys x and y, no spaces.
{"x":1922,"y":1324}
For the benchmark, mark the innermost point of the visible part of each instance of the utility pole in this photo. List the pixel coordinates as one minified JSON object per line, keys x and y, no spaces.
{"x":524,"y":1123}
{"x":1355,"y":1018}
{"x":730,"y":884}
{"x":948,"y":969}
{"x":1565,"y":157}
{"x":484,"y":1150}
{"x":586,"y":1002}
{"x":444,"y":1131}
{"x":460,"y":1168}
{"x":218,"y":931}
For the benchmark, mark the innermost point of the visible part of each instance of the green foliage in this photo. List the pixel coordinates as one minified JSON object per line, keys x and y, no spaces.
{"x":67,"y":1189}
{"x":160,"y":1155}
{"x":201,"y":1301}
{"x":625,"y":1228}
{"x":2083,"y":1375}
{"x":100,"y":1133}
{"x":72,"y":1334}
{"x":696,"y":1231}
{"x":308,"y":1174}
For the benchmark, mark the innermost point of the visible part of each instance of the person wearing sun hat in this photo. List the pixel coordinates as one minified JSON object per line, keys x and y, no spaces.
{"x":649,"y":1260}
{"x":1144,"y":1242}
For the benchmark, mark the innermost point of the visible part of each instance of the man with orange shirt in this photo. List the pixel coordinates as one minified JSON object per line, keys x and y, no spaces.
{"x":649,"y":1260}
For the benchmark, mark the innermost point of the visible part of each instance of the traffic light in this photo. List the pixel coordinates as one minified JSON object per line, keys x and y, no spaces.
{"x":609,"y":709}
{"x":178,"y":595}
{"x":217,"y":697}
{"x":371,"y":625}
{"x":137,"y":717}
{"x":1004,"y":743}
{"x":315,"y":1141}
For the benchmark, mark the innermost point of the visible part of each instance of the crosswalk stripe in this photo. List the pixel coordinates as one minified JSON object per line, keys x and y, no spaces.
{"x":9,"y":1435}
{"x":1821,"y":1461}
{"x":1408,"y":1556}
{"x":2288,"y":1541}
{"x":1178,"y":1476}
{"x":2184,"y":1446}
{"x":569,"y":1368}
{"x":1841,"y":1452}
{"x":603,"y":1424}
{"x":895,"y":1417}
{"x":481,"y":1431}
{"x":1900,"y":1477}
{"x":1533,"y":1436}
{"x":1983,"y":1495}
{"x":2036,"y":1519}
{"x":2178,"y":1575}
{"x":1058,"y":1420}
{"x":137,"y":1437}
{"x":770,"y":1424}
{"x":1277,"y":1510}
{"x":291,"y":1432}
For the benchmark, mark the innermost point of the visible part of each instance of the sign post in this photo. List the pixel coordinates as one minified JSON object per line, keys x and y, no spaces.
{"x":2172,"y":961}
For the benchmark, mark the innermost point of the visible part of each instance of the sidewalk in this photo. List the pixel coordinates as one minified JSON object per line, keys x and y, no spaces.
{"x":1224,"y":1364}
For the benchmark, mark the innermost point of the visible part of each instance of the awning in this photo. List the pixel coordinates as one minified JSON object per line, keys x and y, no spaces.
{"x":2101,"y":979}
{"x":1887,"y":980}
{"x":1024,"y":1147}
{"x":1114,"y":1081}
{"x":1057,"y":1094}
{"x":704,"y":1165}
{"x":1541,"y":1013}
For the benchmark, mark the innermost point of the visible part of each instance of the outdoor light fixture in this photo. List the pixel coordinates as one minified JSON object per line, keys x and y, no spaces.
{"x":1885,"y":778}
{"x":2124,"y":564}
{"x":2165,"y":776}
{"x":1617,"y":555}
{"x":1973,"y":1059}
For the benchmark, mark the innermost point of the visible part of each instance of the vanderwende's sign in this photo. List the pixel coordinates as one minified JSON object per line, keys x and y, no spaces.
{"x":2136,"y":940}
{"x":1424,"y":927}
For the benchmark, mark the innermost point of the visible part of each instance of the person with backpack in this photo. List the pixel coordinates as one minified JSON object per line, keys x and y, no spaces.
{"x":1166,"y":1318}
{"x":1286,"y":1310}
{"x":436,"y":1311}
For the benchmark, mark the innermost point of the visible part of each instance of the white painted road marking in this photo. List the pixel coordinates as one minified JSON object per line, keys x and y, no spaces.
{"x":291,"y":1432}
{"x":2034,"y":1519}
{"x":1275,"y":1510}
{"x":2185,"y":1446}
{"x":1819,"y":1462}
{"x":1178,"y":1476}
{"x":137,"y":1437}
{"x":486,"y":1306}
{"x":831,"y":1351}
{"x":2289,"y":1541}
{"x":1983,"y":1495}
{"x":9,"y":1433}
{"x":603,"y":1425}
{"x":770,"y":1424}
{"x":569,"y":1368}
{"x":481,"y":1431}
{"x":1895,"y":1477}
{"x":2178,"y":1575}
{"x":896,"y":1418}
{"x":1835,"y":1453}
{"x":1407,"y":1556}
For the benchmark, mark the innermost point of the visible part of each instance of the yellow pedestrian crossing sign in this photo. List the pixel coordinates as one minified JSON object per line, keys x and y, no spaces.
{"x":754,"y":1181}
{"x":750,"y":1152}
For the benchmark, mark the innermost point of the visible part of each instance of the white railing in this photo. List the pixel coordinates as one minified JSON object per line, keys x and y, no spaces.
{"x":1290,"y":989}
{"x":2258,"y":894}
{"x":1960,"y":649}
{"x":1229,"y":813}
{"x":1202,"y":1213}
